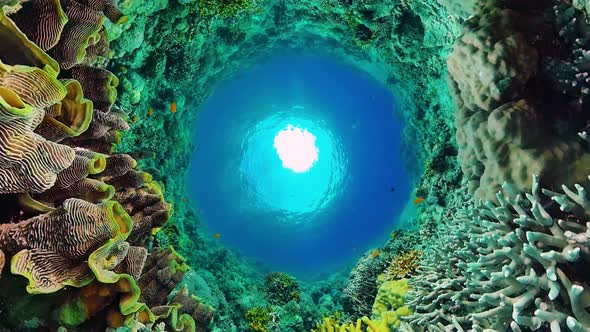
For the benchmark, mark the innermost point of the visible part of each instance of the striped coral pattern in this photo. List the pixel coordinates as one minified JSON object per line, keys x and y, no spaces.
{"x":80,"y":168}
{"x":2,"y":261}
{"x":134,"y":262}
{"x":201,"y":313}
{"x":118,"y":164}
{"x":42,"y":21}
{"x":100,"y":85}
{"x":131,"y":179}
{"x":87,"y":225}
{"x":161,"y":274}
{"x":68,"y":118}
{"x":51,"y":249}
{"x":111,"y":11}
{"x":48,"y":271}
{"x":90,"y":190}
{"x":36,"y":87}
{"x":84,"y":23}
{"x":98,"y":48}
{"x":28,"y":162}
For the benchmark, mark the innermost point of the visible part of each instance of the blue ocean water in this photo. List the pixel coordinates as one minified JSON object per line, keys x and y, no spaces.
{"x":298,"y":164}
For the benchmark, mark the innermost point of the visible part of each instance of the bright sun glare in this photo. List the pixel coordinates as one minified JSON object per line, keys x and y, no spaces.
{"x":296,"y":148}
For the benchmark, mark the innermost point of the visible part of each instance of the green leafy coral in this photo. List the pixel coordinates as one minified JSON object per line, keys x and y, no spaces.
{"x":224,"y":8}
{"x":258,"y":318}
{"x":281,"y":288}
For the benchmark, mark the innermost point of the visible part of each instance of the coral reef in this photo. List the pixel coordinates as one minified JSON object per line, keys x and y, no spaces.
{"x":508,"y":125}
{"x":258,"y":318}
{"x":281,"y":288}
{"x":512,"y":264}
{"x":403,"y":265}
{"x":389,"y":304}
{"x":80,"y":224}
{"x":79,"y":202}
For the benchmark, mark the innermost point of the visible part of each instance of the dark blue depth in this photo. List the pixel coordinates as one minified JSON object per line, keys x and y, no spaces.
{"x":356,"y":110}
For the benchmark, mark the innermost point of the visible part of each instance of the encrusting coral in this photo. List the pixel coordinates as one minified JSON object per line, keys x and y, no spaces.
{"x":516,"y":263}
{"x":505,"y":129}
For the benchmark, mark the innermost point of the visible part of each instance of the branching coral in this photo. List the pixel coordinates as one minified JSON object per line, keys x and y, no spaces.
{"x":361,"y":289}
{"x":513,"y":263}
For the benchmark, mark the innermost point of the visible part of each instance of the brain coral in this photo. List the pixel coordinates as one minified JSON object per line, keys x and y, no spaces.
{"x":516,"y":263}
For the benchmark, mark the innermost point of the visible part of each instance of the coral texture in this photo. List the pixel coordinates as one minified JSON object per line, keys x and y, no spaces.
{"x":512,"y":264}
{"x":505,"y":129}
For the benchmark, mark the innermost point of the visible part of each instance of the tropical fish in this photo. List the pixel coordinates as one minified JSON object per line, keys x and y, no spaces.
{"x":418,"y":200}
{"x":134,"y":119}
{"x":184,"y":199}
{"x":151,"y":112}
{"x":173,"y":107}
{"x":375,"y":253}
{"x":217,"y":235}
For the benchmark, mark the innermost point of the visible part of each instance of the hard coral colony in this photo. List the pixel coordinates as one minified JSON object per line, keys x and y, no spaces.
{"x":87,"y":213}
{"x":88,"y":239}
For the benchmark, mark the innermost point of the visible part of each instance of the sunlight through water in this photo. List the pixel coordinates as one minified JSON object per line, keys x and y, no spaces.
{"x":291,"y":166}
{"x":296,"y":148}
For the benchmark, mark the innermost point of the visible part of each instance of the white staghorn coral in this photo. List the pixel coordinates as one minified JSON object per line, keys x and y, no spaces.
{"x":512,"y":264}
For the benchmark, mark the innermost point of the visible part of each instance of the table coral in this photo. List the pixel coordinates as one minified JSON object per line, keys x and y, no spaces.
{"x":516,"y":262}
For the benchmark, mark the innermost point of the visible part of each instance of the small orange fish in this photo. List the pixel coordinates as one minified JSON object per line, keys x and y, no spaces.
{"x":151,"y":112}
{"x":260,"y":10}
{"x":418,"y":200}
{"x":375,"y":253}
{"x":217,"y":235}
{"x":134,"y":119}
{"x":173,"y":107}
{"x":184,"y":199}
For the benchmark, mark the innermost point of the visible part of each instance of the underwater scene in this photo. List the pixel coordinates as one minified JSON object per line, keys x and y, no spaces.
{"x":295,"y":165}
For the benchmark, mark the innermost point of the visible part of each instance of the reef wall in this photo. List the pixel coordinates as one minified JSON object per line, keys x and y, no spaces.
{"x":491,"y":91}
{"x":78,"y":219}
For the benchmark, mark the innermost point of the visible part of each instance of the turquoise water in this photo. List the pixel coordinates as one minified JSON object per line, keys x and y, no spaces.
{"x":299,"y":164}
